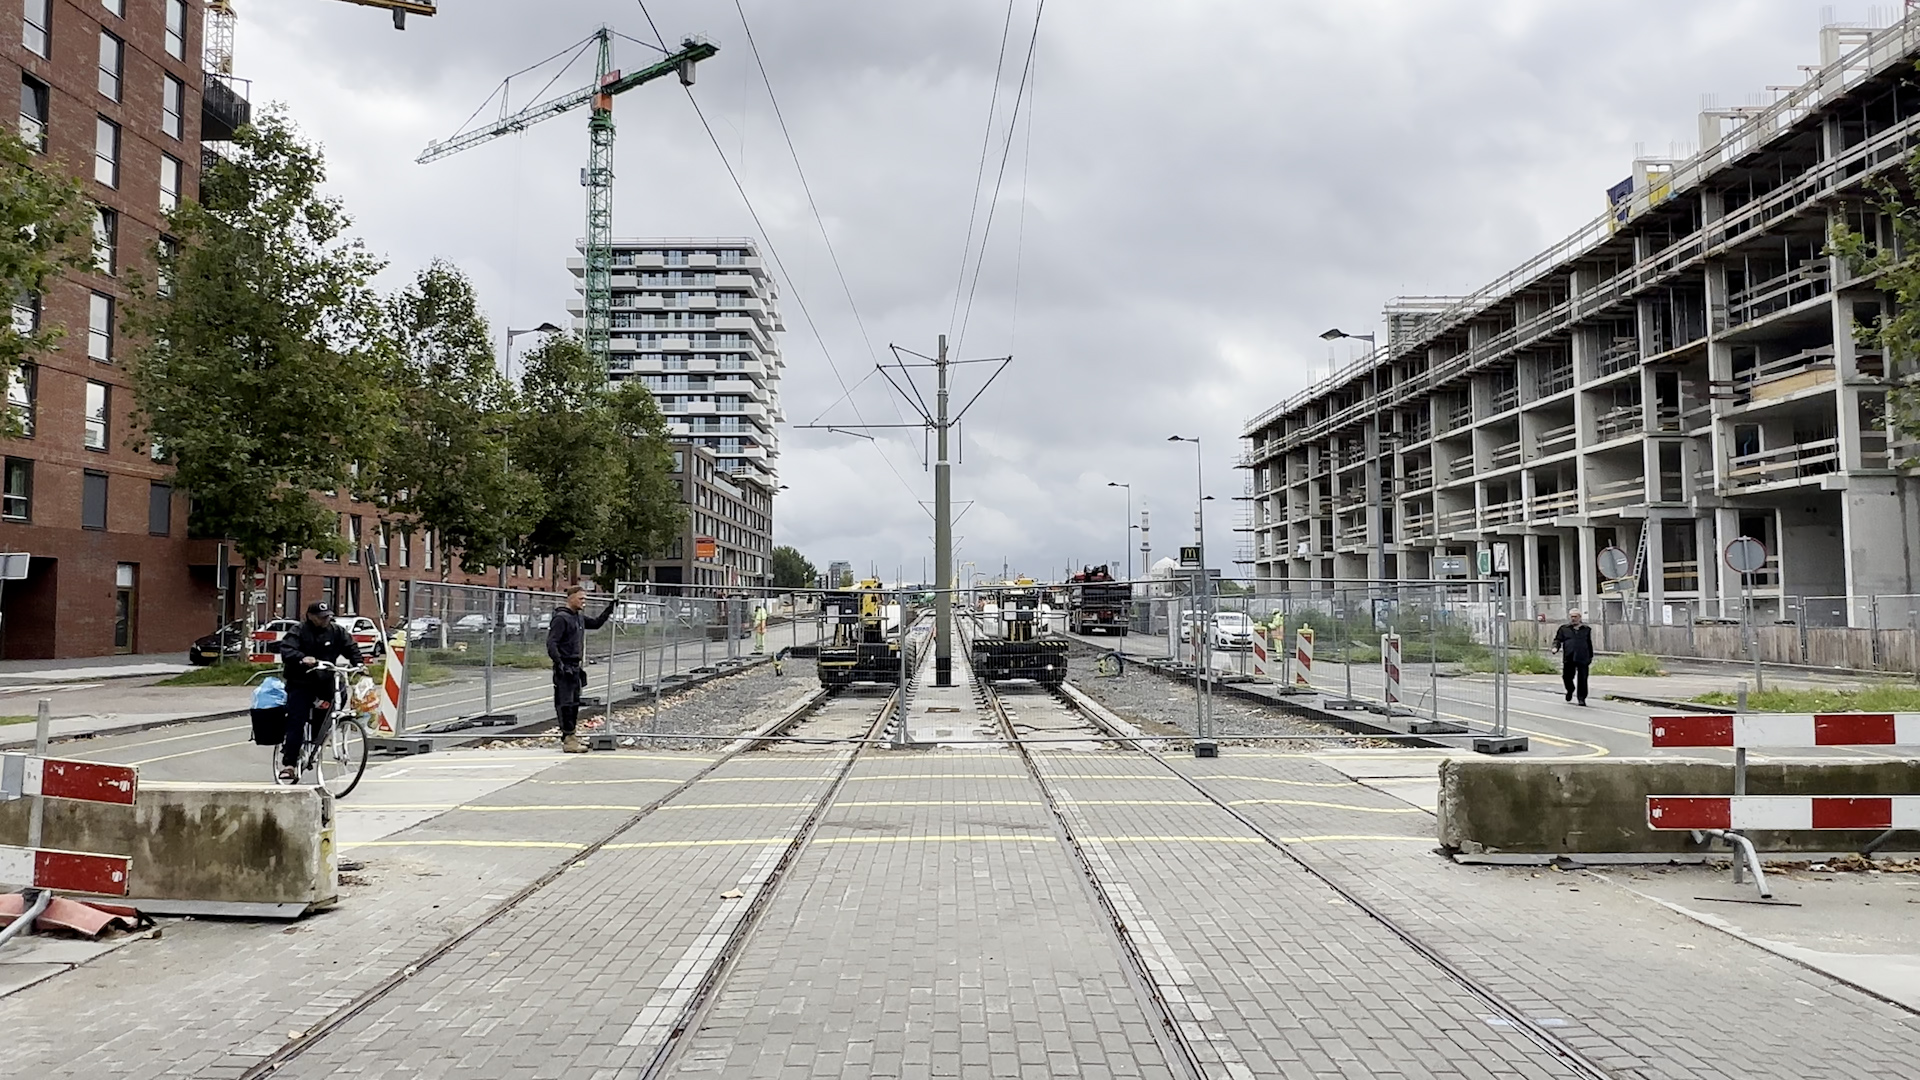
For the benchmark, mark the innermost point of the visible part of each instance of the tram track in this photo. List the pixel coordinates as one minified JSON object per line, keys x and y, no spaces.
{"x":1189,"y":1044}
{"x":818,"y":704}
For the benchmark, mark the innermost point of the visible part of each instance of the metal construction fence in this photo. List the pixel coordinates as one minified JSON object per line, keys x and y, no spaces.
{"x":1873,"y":632}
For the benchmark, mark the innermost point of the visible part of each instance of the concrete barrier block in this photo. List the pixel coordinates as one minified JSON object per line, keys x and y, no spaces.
{"x":1547,"y":807}
{"x":200,"y":849}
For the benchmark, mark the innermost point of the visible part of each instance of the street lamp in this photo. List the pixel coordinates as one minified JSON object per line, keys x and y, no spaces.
{"x":1203,"y":744}
{"x":1126,"y":539}
{"x":543,"y":328}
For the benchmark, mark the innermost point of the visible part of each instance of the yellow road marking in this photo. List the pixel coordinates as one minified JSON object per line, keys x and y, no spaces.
{"x":943,"y":802}
{"x":738,"y":806}
{"x":697,"y":843}
{"x":943,"y":776}
{"x":763,"y":780}
{"x":623,"y":780}
{"x":1329,"y":806}
{"x":995,"y":838}
{"x":562,"y":844}
{"x":1172,"y":840}
{"x":579,"y":806}
{"x":1275,"y":780}
{"x":1134,"y":802}
{"x":1051,"y":775}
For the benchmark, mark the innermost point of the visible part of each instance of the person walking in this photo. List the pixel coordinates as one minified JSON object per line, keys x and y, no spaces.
{"x":567,"y":648}
{"x":1574,"y":642}
{"x":317,"y":638}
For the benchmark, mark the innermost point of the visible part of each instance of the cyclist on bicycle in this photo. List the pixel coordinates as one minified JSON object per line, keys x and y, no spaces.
{"x":317,"y":638}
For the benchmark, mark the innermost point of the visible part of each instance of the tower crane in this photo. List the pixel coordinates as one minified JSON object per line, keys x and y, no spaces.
{"x":597,"y":177}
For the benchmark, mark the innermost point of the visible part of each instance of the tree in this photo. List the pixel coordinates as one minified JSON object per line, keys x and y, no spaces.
{"x":791,"y":570}
{"x":446,"y":465}
{"x":43,"y":218}
{"x":647,"y":511}
{"x":1887,"y":248}
{"x":568,"y":441}
{"x":260,"y":369}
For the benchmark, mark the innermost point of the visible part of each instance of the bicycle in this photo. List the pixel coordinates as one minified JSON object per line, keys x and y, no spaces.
{"x":336,"y":745}
{"x":1110,"y":665}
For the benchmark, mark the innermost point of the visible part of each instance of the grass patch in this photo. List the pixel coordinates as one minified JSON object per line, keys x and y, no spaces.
{"x":1519,"y":662}
{"x":1632,"y":663}
{"x":509,"y":657}
{"x":230,"y":673}
{"x":5,"y":720}
{"x":1883,"y":697}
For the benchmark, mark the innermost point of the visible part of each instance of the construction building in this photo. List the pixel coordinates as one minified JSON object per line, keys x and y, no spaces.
{"x":1685,"y":369}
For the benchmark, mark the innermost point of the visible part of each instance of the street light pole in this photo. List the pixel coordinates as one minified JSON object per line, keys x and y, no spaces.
{"x":1126,"y":537}
{"x":499,"y":607}
{"x":1204,"y":745}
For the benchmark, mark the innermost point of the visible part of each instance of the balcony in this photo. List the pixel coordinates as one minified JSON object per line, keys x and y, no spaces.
{"x":1553,"y":504}
{"x":1458,"y":521}
{"x":1611,"y":496}
{"x":1459,"y":416}
{"x":1506,"y":397}
{"x":1503,"y":513}
{"x":1419,"y":526}
{"x":1787,"y":375}
{"x":1505,"y":454}
{"x":1354,"y":534}
{"x":1556,"y":440}
{"x":1460,"y":468}
{"x":223,"y":109}
{"x":1550,"y":382}
{"x":1619,"y":356}
{"x":1416,"y":479}
{"x":1617,"y":421}
{"x":1786,"y":463}
{"x":1801,"y":283}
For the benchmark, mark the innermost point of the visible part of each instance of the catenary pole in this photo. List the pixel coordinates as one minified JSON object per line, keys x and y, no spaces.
{"x":942,"y":534}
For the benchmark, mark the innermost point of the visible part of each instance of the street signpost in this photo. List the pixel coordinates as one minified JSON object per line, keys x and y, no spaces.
{"x":38,"y":777}
{"x":1614,"y":563}
{"x":1746,"y":557}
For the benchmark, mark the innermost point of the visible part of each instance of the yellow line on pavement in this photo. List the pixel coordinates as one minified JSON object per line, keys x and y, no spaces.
{"x":1002,"y":756}
{"x":943,"y":802}
{"x":943,"y":776}
{"x":738,"y":806}
{"x":1241,"y":839}
{"x":579,"y":806}
{"x":1275,"y":780}
{"x":698,"y":843}
{"x":563,"y":844}
{"x":1051,"y":775}
{"x":1329,"y":806}
{"x":621,"y":780}
{"x":1070,"y":801}
{"x":994,"y":838}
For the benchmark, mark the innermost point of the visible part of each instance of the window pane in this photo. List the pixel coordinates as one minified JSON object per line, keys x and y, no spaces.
{"x":172,"y":93}
{"x":26,"y":313}
{"x":106,"y":239}
{"x":177,"y":29}
{"x":106,"y":152}
{"x":36,"y":31}
{"x":22,"y":389}
{"x":100,"y":328}
{"x":118,"y":7}
{"x":96,"y":438}
{"x":111,"y":51}
{"x":160,"y":509}
{"x":18,"y":503}
{"x":93,"y":501}
{"x":33,"y":113}
{"x":169,"y":182}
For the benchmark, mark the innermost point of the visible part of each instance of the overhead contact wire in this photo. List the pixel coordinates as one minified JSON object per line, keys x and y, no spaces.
{"x":1006,"y":151}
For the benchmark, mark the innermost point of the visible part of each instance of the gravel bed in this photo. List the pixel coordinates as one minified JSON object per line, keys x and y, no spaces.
{"x":1162,"y":706}
{"x":728,"y":705}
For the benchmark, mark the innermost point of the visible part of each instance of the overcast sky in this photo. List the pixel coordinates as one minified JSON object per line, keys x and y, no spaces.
{"x":1210,"y":184}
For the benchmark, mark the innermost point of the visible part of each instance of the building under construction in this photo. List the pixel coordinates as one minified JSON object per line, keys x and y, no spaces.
{"x":1685,"y":369}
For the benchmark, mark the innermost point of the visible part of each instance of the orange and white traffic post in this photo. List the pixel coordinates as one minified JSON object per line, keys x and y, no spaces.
{"x":393,"y":685}
{"x":1303,"y":656}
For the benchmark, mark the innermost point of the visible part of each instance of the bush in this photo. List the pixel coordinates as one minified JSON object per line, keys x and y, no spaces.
{"x":1627,"y":664}
{"x":1881,"y":697}
{"x":1519,"y":662}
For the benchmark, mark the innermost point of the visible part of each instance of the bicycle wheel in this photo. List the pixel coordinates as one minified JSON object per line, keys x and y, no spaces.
{"x":342,"y":757}
{"x":274,"y":758}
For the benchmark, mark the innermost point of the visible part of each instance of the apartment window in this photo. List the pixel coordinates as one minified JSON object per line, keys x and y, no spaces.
{"x":23,"y":392}
{"x":100,"y":328}
{"x":173,"y":96}
{"x":426,"y":550}
{"x":160,"y":509}
{"x":37,"y":31}
{"x":330,"y":592}
{"x":163,"y":270}
{"x":405,"y":543}
{"x":290,"y":596}
{"x":106,"y":151}
{"x":26,"y":313}
{"x":98,"y":395}
{"x":106,"y":240}
{"x":33,"y":113}
{"x":177,"y":29}
{"x":113,"y":55}
{"x":93,"y":500}
{"x":169,"y":183}
{"x":350,"y":596}
{"x":17,"y":504}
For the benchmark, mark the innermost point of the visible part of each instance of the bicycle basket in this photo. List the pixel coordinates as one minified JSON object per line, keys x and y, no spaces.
{"x":269,"y":725}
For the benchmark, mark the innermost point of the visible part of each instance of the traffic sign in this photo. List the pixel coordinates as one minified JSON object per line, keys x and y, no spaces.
{"x":13,"y":566}
{"x":68,"y":871}
{"x":1450,"y":566}
{"x":1485,"y":562}
{"x":1190,"y":556}
{"x":1745,"y":555}
{"x":23,"y":775}
{"x":1502,"y":557}
{"x":1614,"y":563}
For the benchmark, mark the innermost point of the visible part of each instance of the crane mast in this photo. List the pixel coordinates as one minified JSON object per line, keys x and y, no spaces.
{"x":597,"y":177}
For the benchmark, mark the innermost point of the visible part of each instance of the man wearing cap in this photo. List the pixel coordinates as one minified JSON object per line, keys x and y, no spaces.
{"x":317,"y":638}
{"x":567,"y":648}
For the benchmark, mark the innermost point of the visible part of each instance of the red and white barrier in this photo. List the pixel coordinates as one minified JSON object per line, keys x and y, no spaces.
{"x":392,"y":684}
{"x":1259,"y":650}
{"x":1787,"y":730}
{"x":1390,"y":665}
{"x":68,"y":871}
{"x":260,"y":648}
{"x":55,"y":778}
{"x":1783,"y":812}
{"x":1303,"y":656}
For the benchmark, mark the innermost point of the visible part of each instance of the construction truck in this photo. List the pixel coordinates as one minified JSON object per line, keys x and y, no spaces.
{"x":1012,"y":644}
{"x":863,"y":642}
{"x":1097,"y":602}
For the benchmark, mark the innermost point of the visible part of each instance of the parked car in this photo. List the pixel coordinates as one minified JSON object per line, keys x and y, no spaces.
{"x":422,"y":626}
{"x":1232,"y":630}
{"x":227,"y":643}
{"x":475,"y":623}
{"x":366,"y":634}
{"x":516,"y":623}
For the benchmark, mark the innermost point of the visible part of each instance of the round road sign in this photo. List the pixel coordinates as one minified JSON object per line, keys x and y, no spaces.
{"x":1614,"y":563}
{"x":1746,"y":555}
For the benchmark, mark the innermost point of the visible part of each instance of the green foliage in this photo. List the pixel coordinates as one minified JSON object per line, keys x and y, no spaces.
{"x":647,"y":513}
{"x":446,"y":465}
{"x":225,"y":673}
{"x":45,"y":221}
{"x":1898,"y":332}
{"x":1879,"y":697}
{"x":1627,"y":664}
{"x":261,"y":370}
{"x":566,"y":441}
{"x":846,"y":580}
{"x":791,"y":570}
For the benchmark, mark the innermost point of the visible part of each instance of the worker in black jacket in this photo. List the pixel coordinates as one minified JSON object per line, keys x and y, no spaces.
{"x":1574,"y":643}
{"x":567,"y":648}
{"x":317,"y":638}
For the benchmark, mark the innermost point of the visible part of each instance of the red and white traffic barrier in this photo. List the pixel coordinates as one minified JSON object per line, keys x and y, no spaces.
{"x":1259,"y":650}
{"x":67,"y":871}
{"x":1303,"y":656}
{"x":260,"y":648}
{"x":1783,"y":812}
{"x":23,"y":775}
{"x":1787,"y":730}
{"x":1390,"y":664}
{"x":393,"y":682}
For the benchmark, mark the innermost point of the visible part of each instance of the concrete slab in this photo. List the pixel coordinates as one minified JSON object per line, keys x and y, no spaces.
{"x":25,"y":961}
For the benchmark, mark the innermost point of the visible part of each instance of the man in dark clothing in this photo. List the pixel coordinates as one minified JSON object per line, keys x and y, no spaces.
{"x":567,"y":648}
{"x":1574,"y":643}
{"x":317,"y":638}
